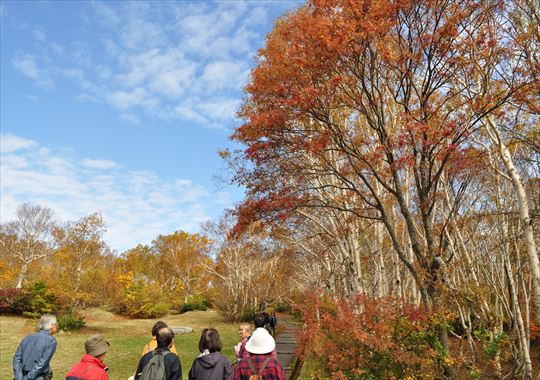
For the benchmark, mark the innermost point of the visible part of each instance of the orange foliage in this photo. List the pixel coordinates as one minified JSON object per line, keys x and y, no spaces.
{"x":362,"y":337}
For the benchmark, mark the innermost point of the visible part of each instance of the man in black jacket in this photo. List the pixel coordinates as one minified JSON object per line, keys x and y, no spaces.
{"x":173,"y":367}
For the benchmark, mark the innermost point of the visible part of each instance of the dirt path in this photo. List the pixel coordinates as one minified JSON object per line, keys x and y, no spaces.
{"x":286,"y":342}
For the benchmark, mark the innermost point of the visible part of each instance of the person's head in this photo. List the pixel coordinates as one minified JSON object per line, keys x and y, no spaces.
{"x":244,"y":330}
{"x":157,"y":326}
{"x":164,"y":337}
{"x":48,"y":322}
{"x":96,"y":346}
{"x":210,"y":341}
{"x":261,"y":342}
{"x":259,"y":320}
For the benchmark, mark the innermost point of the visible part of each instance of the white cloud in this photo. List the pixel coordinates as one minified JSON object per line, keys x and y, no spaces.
{"x":32,"y":98}
{"x":56,"y":48}
{"x":219,"y":109}
{"x":136,"y":205}
{"x":187,"y":112}
{"x":129,"y":118}
{"x":222,"y":75}
{"x":85,"y":98}
{"x":160,"y":59}
{"x":105,"y":14}
{"x":11,"y":143}
{"x":140,"y":34}
{"x":26,"y":64}
{"x":98,"y":164}
{"x":39,"y":34}
{"x":137,"y":97}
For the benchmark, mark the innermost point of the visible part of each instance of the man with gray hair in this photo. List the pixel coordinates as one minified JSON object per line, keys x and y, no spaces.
{"x":32,"y":358}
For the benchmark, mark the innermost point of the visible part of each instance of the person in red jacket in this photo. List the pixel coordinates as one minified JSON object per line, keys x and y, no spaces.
{"x":91,"y":366}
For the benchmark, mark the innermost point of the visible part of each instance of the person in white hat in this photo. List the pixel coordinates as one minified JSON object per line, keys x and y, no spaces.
{"x":260,"y":361}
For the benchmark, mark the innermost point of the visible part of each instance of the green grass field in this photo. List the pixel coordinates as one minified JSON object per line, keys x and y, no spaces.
{"x":127,"y":338}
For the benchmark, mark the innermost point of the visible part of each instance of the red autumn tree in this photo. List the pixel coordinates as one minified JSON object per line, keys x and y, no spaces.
{"x":361,"y":100}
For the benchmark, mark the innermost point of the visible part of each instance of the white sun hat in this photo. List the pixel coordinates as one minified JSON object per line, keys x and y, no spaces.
{"x":261,"y":342}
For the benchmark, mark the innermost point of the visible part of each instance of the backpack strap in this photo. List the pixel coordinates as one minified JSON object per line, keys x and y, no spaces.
{"x":250,"y":363}
{"x":160,"y":351}
{"x":264,"y":365}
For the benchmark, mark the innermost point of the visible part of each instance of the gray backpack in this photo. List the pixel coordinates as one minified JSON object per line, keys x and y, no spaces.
{"x":155,"y":368}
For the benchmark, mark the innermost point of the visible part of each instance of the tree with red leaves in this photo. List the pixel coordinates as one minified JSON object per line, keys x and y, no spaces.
{"x":359,"y":106}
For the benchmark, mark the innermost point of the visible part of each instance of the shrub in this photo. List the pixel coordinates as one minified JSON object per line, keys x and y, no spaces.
{"x":152,"y":310}
{"x":248,"y":316}
{"x":363,"y":338}
{"x":37,"y":300}
{"x":71,"y":321}
{"x":136,"y":299}
{"x":184,"y":308}
{"x":195,"y":303}
{"x":492,"y":344}
{"x":9,"y":301}
{"x":283,"y":308}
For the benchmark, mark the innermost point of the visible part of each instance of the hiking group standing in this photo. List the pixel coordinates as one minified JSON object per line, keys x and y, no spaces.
{"x":255,"y":354}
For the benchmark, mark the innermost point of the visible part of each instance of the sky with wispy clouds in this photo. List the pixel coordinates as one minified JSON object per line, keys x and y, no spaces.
{"x":120,"y":107}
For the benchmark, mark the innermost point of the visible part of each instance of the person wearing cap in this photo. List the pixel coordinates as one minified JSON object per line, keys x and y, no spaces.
{"x":91,"y":366}
{"x":260,"y":361}
{"x":32,"y":358}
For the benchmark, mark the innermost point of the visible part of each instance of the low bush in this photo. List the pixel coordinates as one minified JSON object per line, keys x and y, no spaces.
{"x":150,"y":310}
{"x":363,"y":338}
{"x":71,"y":321}
{"x":248,"y":316}
{"x":36,"y":301}
{"x":283,"y":308}
{"x":136,"y":299}
{"x":10,"y":301}
{"x":184,"y":308}
{"x":195,"y":303}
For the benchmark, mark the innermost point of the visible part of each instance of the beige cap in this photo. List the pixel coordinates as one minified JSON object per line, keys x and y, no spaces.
{"x":96,"y":345}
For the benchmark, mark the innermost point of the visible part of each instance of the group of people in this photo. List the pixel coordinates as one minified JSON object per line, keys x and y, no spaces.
{"x":255,"y":355}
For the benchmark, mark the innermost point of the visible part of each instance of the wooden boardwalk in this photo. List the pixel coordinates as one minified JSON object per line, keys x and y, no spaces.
{"x":286,"y":342}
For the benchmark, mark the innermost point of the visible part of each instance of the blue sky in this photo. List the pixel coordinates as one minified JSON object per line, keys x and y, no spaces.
{"x":120,"y":107}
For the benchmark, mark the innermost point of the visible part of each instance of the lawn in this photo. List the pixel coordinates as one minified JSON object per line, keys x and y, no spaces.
{"x":127,"y":338}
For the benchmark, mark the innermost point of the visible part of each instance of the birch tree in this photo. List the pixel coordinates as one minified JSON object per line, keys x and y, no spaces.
{"x":29,"y":238}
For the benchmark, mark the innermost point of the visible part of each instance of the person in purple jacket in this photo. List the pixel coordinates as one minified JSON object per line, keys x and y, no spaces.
{"x":210,"y":364}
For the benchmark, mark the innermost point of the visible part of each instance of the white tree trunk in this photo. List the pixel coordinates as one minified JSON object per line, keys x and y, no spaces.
{"x":22,"y":275}
{"x":524,"y":216}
